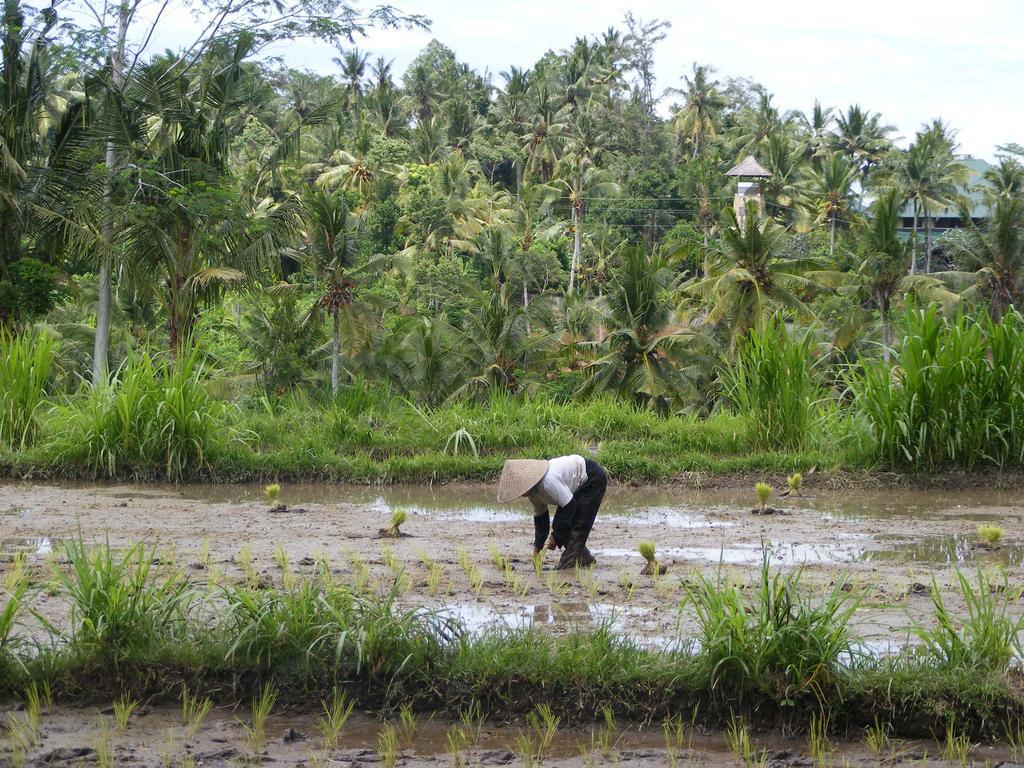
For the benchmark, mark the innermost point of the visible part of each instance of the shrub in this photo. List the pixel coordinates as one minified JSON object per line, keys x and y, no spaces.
{"x":773,"y":384}
{"x":25,"y":363}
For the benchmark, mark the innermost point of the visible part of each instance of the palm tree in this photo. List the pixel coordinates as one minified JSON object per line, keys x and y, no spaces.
{"x":705,"y":184}
{"x":749,"y":277}
{"x":580,"y":178}
{"x":993,"y":257}
{"x":930,"y":178}
{"x":353,"y":69}
{"x":861,"y":136}
{"x":815,"y":131}
{"x":830,"y":192}
{"x":1005,"y":180}
{"x":697,"y":119}
{"x":882,"y":276}
{"x":644,"y":348}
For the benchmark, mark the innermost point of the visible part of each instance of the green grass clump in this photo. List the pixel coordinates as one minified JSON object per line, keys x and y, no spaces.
{"x":778,"y":642}
{"x":25,"y":363}
{"x":646,"y":550}
{"x":153,"y":416}
{"x":272,"y":491}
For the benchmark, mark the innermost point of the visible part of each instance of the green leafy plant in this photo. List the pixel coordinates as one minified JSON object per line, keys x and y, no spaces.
{"x":256,"y":728}
{"x":795,"y":482}
{"x":123,"y":709}
{"x":25,"y":364}
{"x":387,"y":746}
{"x":737,"y":738}
{"x":194,"y":711}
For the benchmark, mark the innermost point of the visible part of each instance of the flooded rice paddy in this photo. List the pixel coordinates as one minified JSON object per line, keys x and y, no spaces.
{"x":891,"y":549}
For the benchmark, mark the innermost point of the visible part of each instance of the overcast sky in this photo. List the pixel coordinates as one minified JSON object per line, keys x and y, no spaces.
{"x":912,"y":60}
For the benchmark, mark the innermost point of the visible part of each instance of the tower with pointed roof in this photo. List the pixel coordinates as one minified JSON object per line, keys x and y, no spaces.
{"x":748,"y":186}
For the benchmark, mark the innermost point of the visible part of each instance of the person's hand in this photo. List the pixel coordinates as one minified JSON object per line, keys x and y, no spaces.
{"x":537,"y":551}
{"x":551,"y":542}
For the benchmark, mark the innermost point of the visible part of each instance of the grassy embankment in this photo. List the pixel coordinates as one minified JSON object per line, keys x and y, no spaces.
{"x":954,"y":401}
{"x":773,"y":654}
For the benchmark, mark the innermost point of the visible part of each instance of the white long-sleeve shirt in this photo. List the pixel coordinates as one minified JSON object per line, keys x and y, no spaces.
{"x":564,"y":477}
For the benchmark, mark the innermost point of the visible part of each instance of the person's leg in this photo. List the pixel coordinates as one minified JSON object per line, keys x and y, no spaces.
{"x":588,"y":501}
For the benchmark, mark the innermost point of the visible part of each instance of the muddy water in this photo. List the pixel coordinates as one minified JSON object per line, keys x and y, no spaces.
{"x":157,"y":737}
{"x":891,"y":546}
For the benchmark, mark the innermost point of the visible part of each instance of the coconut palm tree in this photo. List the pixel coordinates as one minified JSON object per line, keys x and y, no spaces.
{"x":861,"y":136}
{"x":992,"y":257}
{"x":644,"y":349}
{"x":748,"y":278}
{"x":882,"y":276}
{"x":697,"y":119}
{"x":830,"y":192}
{"x":353,"y":69}
{"x":814,"y":130}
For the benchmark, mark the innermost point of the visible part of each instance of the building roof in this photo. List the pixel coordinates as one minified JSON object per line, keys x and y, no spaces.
{"x":749,"y":167}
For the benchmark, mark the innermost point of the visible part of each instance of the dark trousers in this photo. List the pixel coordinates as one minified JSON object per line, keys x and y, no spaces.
{"x":588,"y":498}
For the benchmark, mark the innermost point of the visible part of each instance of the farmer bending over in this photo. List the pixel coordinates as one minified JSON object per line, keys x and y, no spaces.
{"x":574,"y":485}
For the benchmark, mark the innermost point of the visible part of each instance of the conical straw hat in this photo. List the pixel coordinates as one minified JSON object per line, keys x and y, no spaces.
{"x":520,"y":475}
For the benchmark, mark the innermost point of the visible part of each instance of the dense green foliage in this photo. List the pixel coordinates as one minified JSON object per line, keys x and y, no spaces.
{"x":147,"y":630}
{"x":292,"y":241}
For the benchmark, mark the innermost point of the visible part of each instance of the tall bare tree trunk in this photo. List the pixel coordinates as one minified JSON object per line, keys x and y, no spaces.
{"x":101,"y":346}
{"x":335,"y":351}
{"x":886,"y":354}
{"x":913,"y":247}
{"x":832,"y":237}
{"x":577,"y":243}
{"x":927,"y":242}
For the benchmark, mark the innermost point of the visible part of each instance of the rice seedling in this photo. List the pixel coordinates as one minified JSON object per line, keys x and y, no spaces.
{"x":407,"y":721}
{"x":628,"y":584}
{"x":794,"y":483}
{"x":360,"y":572}
{"x":434,"y":577}
{"x":544,"y":724}
{"x":204,"y":552}
{"x":525,"y":747}
{"x":169,"y":749}
{"x":877,"y":739}
{"x":472,"y":719}
{"x":602,"y":738}
{"x":336,"y":714}
{"x":455,"y":743}
{"x":33,"y":708}
{"x":193,"y":711}
{"x":557,"y":585}
{"x":188,"y":761}
{"x":25,"y":364}
{"x":284,"y":565}
{"x":20,"y":732}
{"x":247,"y":564}
{"x":387,"y":746}
{"x":123,"y":709}
{"x":501,"y":561}
{"x":476,"y":581}
{"x":651,"y":566}
{"x":256,"y":728}
{"x":104,"y":746}
{"x":763,"y":492}
{"x":957,"y":745}
{"x":986,"y":639}
{"x":678,"y":738}
{"x":663,"y":586}
{"x":1015,"y":738}
{"x":272,"y":491}
{"x":737,"y":738}
{"x":16,"y":573}
{"x":777,"y":641}
{"x":465,"y":563}
{"x":819,"y":744}
{"x":990,"y":535}
{"x":398,"y":518}
{"x":588,"y":579}
{"x":538,"y":563}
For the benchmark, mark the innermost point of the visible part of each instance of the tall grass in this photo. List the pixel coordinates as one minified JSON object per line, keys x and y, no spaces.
{"x":955,"y":396}
{"x":25,"y":363}
{"x":780,"y":642}
{"x":774,"y":385}
{"x":154,"y":415}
